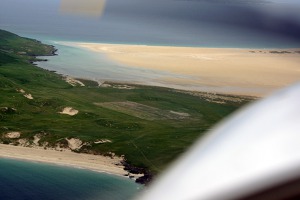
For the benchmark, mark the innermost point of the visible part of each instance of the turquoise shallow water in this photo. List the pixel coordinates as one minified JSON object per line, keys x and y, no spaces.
{"x":36,"y":181}
{"x":78,"y":62}
{"x":240,"y":24}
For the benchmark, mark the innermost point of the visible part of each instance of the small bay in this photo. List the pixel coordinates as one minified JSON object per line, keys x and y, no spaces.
{"x":32,"y":180}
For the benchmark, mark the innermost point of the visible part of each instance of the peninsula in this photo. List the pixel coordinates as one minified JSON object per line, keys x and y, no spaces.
{"x":124,"y":129}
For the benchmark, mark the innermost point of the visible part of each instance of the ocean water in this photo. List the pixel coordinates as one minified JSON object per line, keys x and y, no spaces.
{"x":204,"y":23}
{"x":78,"y":62}
{"x":22,"y":180}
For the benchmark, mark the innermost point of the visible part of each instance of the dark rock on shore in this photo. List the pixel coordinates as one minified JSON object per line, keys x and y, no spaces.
{"x":280,"y":52}
{"x":146,"y":179}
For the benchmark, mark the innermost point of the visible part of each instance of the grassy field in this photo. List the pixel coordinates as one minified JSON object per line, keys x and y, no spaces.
{"x":150,"y":126}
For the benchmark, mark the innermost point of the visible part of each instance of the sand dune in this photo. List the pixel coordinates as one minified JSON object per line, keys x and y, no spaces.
{"x":69,"y":111}
{"x":224,"y":70}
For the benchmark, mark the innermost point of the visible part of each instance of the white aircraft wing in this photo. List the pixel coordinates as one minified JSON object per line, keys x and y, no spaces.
{"x":256,"y":149}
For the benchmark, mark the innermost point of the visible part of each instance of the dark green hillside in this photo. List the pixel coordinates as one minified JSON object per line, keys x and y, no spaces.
{"x":23,"y":47}
{"x":149,"y":125}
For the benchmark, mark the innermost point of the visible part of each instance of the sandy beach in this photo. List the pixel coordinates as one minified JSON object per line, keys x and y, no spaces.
{"x":254,"y":72}
{"x":65,"y":158}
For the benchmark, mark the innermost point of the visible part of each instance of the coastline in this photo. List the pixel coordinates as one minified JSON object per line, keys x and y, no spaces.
{"x":97,"y":163}
{"x":160,"y":58}
{"x":235,"y":71}
{"x":61,"y":154}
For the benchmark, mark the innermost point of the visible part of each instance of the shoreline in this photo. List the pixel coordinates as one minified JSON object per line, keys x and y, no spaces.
{"x":75,"y":42}
{"x":115,"y":166}
{"x":65,"y":156}
{"x":235,"y":71}
{"x":96,"y":163}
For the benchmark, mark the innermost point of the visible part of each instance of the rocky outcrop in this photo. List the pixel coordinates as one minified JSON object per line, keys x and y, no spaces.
{"x":145,"y":179}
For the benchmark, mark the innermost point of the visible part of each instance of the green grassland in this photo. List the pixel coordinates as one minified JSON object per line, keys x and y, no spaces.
{"x":150,"y":126}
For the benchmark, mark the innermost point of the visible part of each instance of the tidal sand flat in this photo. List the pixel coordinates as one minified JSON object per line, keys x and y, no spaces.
{"x":254,"y":72}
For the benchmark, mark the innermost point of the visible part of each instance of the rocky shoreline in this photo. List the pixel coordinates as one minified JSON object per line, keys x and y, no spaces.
{"x":145,"y":179}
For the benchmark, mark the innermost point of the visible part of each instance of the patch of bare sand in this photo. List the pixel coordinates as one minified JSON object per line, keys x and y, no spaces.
{"x":67,"y":158}
{"x":22,"y":91}
{"x":13,"y":135}
{"x":102,"y":141}
{"x":118,"y":86}
{"x":224,"y":70}
{"x":182,"y":114}
{"x":36,"y":139}
{"x":74,"y":143}
{"x":28,"y":96}
{"x":23,"y":142}
{"x":123,"y":87}
{"x":73,"y":81}
{"x":69,"y":111}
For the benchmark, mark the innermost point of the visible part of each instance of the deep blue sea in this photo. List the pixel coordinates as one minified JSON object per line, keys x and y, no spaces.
{"x":22,"y":180}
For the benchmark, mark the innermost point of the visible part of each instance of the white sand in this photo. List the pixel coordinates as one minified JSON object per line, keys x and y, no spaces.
{"x":36,"y":139}
{"x":22,"y":91}
{"x":102,"y":141}
{"x":67,"y":158}
{"x":28,"y":96}
{"x":73,"y":81}
{"x":13,"y":135}
{"x":69,"y":111}
{"x":225,"y":70}
{"x":74,"y":143}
